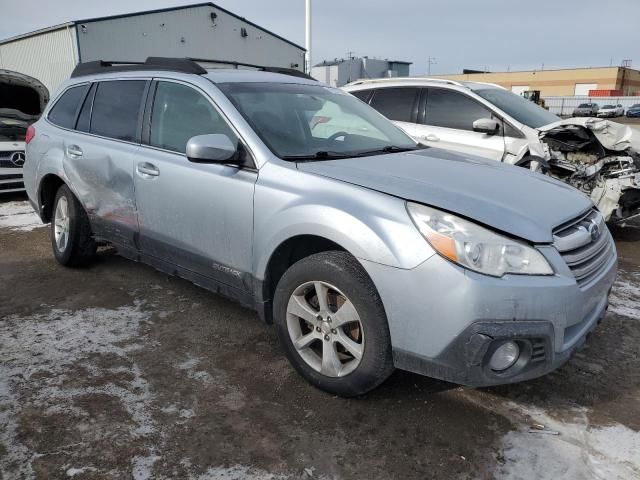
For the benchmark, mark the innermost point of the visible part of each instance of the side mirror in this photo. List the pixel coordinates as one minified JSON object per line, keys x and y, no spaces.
{"x":213,"y":148}
{"x":486,"y":125}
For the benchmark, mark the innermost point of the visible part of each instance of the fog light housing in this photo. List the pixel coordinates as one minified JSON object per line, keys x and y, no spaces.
{"x":505,"y":356}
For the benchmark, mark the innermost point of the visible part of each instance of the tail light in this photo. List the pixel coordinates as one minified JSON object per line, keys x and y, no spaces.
{"x":31,"y":132}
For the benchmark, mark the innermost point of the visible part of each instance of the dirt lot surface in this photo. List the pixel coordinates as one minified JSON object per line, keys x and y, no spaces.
{"x":117,"y":372}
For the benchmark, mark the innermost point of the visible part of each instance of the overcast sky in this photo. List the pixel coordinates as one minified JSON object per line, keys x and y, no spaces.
{"x":492,"y":34}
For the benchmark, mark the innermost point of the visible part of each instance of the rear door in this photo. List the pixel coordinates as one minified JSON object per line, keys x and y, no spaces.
{"x":100,"y":153}
{"x":198,"y":216}
{"x":446,"y":121}
{"x":399,"y":104}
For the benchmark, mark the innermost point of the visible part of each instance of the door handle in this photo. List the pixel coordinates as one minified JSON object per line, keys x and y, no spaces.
{"x":148,"y":169}
{"x":431,"y":138}
{"x":74,"y":151}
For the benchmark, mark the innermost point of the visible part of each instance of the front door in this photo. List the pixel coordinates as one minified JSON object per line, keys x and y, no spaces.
{"x":446,"y":121}
{"x":195,"y":215}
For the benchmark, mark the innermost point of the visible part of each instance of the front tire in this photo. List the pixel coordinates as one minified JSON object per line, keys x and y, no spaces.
{"x":71,"y":236}
{"x":332,"y":324}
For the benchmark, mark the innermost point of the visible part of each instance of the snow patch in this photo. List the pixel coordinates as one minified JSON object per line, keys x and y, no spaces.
{"x":579,"y":451}
{"x":625,"y":296}
{"x":47,"y":345}
{"x":72,"y":472}
{"x":142,"y":467}
{"x":238,"y":472}
{"x":19,"y":216}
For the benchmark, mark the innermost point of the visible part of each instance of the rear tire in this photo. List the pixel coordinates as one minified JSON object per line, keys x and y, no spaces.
{"x":337,"y":339}
{"x":71,"y":236}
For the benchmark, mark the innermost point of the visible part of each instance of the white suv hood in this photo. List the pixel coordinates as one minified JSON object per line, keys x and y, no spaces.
{"x":612,"y":136}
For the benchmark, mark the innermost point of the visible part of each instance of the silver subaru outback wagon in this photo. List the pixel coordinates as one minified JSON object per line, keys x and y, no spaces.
{"x":367,"y":251}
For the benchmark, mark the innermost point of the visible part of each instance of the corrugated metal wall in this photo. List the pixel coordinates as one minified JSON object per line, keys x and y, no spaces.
{"x":49,"y":57}
{"x":188,"y":32}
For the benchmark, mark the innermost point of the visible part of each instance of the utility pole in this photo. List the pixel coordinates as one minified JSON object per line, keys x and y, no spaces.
{"x":430,"y":61}
{"x":350,"y":57}
{"x":307,"y":43}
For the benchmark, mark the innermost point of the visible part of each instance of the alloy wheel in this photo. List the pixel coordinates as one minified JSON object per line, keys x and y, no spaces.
{"x":61,"y":224}
{"x":325,"y":329}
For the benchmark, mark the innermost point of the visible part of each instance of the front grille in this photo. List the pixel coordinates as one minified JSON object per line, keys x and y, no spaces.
{"x":5,"y":159}
{"x":13,"y":176}
{"x":11,"y":186}
{"x":585,"y":245}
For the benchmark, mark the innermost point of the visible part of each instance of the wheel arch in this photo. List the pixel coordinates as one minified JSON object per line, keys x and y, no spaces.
{"x":288,"y":252}
{"x":49,"y":185}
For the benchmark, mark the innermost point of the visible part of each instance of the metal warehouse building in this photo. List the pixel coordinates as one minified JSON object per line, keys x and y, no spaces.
{"x":619,"y":81}
{"x":203,"y":31}
{"x":340,"y":72}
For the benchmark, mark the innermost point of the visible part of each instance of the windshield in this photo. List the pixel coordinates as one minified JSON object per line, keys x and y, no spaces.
{"x":609,"y":106}
{"x":519,"y":108}
{"x":637,"y":105}
{"x":298,"y":121}
{"x":584,"y":105}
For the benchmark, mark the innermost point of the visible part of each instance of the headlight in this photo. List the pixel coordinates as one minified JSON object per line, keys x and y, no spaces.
{"x":475,"y":247}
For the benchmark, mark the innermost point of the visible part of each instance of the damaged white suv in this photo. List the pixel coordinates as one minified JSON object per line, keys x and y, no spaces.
{"x":593,"y":155}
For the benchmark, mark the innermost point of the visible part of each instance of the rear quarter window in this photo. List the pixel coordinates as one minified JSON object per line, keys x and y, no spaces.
{"x":361,"y":94}
{"x":64,"y":112}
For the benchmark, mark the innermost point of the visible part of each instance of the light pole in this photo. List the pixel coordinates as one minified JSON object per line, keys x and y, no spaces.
{"x":307,"y":32}
{"x":430,"y":61}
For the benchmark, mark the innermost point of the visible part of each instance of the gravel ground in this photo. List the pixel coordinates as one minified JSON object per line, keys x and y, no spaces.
{"x":120,"y":372}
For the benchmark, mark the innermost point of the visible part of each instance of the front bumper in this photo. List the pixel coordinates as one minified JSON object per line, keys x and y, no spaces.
{"x":445,"y":320}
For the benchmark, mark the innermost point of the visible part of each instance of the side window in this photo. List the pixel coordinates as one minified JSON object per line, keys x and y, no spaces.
{"x":116,"y":108}
{"x":395,"y":103}
{"x":361,"y":94}
{"x":63,"y":113}
{"x":179,"y":113}
{"x":85,"y":113}
{"x":446,"y":108}
{"x":510,"y":131}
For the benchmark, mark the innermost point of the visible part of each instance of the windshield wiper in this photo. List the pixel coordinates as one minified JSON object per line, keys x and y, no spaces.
{"x":388,"y":149}
{"x":321,"y":155}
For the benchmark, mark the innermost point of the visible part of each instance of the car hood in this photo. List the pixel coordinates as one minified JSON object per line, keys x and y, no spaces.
{"x":507,"y":198}
{"x":612,"y":136}
{"x":8,"y":78}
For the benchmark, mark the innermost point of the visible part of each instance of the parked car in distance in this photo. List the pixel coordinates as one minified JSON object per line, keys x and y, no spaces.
{"x":367,"y":251}
{"x":611,"y":111}
{"x":633,"y":111}
{"x":586,"y":110}
{"x":22,"y":99}
{"x":475,"y":118}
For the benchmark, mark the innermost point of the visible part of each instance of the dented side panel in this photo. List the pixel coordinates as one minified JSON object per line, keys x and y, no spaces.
{"x":103,"y":182}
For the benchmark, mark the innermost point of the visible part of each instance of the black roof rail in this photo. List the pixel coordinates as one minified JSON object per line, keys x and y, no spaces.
{"x":282,"y":70}
{"x":182,"y":65}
